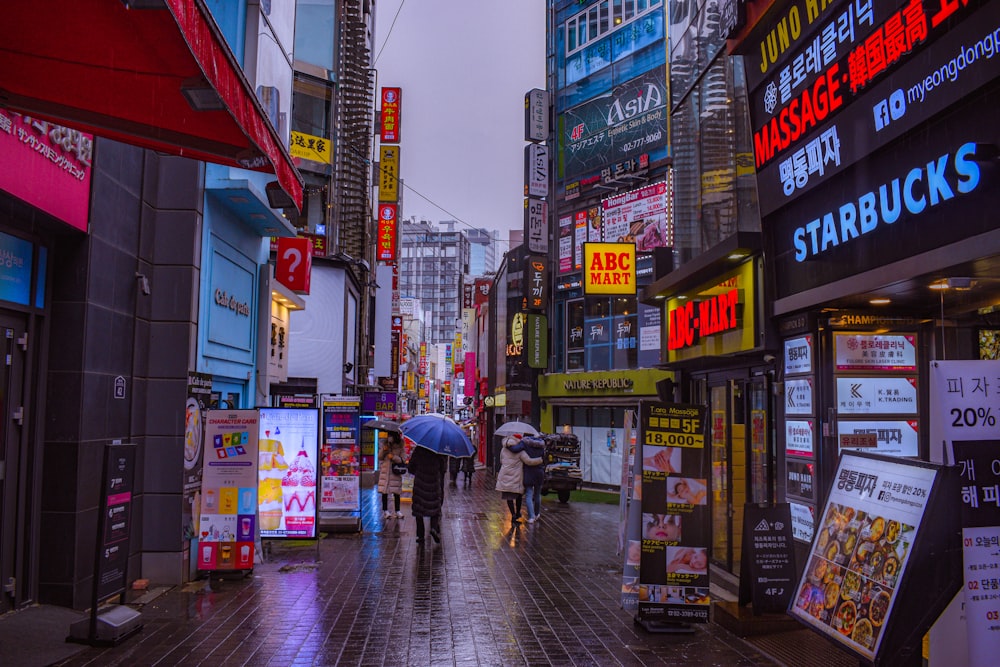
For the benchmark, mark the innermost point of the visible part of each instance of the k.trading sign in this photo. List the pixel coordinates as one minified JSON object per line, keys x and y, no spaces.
{"x":609,"y":268}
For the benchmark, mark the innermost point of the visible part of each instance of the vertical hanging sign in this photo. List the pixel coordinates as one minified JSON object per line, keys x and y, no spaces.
{"x":391,"y":98}
{"x":386,"y":238}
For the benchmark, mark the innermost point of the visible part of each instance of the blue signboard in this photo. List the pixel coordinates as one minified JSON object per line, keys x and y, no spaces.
{"x":15,"y":269}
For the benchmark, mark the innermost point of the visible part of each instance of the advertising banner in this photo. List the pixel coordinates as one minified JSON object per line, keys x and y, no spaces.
{"x":309,"y":147}
{"x":199,"y":391}
{"x":861,"y":550}
{"x":676,"y":537}
{"x":340,"y":456}
{"x":977,"y":461}
{"x":287,"y":472}
{"x":227,"y":521}
{"x":536,"y":115}
{"x":388,"y":169}
{"x":629,"y":121}
{"x":536,"y":225}
{"x":876,"y":395}
{"x":964,"y":404}
{"x":293,"y":267}
{"x":767,"y":574}
{"x":875,"y":352}
{"x":46,"y":165}
{"x":118,"y":483}
{"x":639,"y":217}
{"x":390,"y":117}
{"x":610,"y":268}
{"x":536,"y":171}
{"x":387,"y":233}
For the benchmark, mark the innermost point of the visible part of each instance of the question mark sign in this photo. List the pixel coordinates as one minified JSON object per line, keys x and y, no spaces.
{"x":294,"y":258}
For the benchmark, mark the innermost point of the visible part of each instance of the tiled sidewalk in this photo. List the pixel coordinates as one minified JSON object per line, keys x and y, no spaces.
{"x":489,"y":594}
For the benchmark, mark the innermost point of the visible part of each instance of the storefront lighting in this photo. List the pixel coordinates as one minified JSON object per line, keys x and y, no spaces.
{"x":880,"y":301}
{"x":939,"y":285}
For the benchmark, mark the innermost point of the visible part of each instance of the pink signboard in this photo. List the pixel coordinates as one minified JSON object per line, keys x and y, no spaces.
{"x":46,"y":165}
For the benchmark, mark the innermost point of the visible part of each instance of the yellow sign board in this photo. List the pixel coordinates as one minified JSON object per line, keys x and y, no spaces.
{"x":388,"y":169}
{"x":609,"y":268}
{"x":308,"y":147}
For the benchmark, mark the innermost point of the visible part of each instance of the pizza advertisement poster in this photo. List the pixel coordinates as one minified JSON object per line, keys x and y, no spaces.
{"x":672,"y":550}
{"x":860,"y":550}
{"x":227,"y":504}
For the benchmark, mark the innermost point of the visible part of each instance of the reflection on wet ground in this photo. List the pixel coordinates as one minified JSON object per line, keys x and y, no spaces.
{"x":489,"y":594}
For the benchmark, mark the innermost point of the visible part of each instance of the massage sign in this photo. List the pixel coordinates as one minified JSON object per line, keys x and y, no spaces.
{"x":834,"y":82}
{"x":673,"y":550}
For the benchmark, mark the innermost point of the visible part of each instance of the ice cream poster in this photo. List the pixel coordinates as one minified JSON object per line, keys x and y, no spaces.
{"x":287,"y":472}
{"x":226,"y":506}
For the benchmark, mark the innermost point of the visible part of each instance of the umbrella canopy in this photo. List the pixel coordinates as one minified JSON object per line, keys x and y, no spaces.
{"x":516,"y":428}
{"x":438,"y":433}
{"x":382,"y":425}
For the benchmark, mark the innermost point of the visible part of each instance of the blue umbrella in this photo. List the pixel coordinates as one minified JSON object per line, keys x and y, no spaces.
{"x":439,"y":434}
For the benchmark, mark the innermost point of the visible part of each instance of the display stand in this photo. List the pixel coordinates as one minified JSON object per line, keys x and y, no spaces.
{"x":111,"y":625}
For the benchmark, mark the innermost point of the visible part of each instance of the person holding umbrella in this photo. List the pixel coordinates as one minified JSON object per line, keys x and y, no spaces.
{"x":390,"y":479}
{"x":436,"y":437}
{"x":428,"y":469}
{"x":510,"y":478}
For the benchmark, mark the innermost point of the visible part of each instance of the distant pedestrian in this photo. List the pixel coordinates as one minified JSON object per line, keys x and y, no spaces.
{"x":510,"y":478}
{"x":454,"y":466}
{"x":390,"y":481}
{"x":469,"y":468}
{"x":428,"y":469}
{"x":533,"y":476}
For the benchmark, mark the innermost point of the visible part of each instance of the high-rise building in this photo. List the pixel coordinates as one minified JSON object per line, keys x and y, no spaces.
{"x":483,"y":251}
{"x":433,"y":265}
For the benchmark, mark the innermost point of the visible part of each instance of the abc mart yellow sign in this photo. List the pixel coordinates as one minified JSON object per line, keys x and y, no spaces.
{"x":609,"y":268}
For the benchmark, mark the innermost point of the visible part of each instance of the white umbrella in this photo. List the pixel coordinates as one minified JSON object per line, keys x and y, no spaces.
{"x":516,"y":428}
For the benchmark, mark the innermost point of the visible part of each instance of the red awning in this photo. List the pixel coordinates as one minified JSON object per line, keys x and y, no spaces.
{"x":116,"y":72}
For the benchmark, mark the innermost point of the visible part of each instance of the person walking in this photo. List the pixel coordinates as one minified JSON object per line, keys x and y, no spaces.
{"x":533,"y":476}
{"x":389,"y":480}
{"x":469,"y":468}
{"x":454,"y":465}
{"x":428,"y":469}
{"x":510,"y":478}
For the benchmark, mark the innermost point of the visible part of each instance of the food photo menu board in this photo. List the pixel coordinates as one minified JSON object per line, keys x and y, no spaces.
{"x":675,"y":537}
{"x":340,"y":455}
{"x":227,"y":504}
{"x":289,"y":444}
{"x":861,"y":548}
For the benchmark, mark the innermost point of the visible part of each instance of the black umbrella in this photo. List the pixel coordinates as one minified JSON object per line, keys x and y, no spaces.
{"x":382,"y":425}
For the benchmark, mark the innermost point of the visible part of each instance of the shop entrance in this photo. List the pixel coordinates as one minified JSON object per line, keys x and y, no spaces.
{"x":19,"y":474}
{"x":739,"y":428}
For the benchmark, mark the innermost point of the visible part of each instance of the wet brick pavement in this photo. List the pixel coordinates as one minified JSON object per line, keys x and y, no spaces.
{"x":489,"y":594}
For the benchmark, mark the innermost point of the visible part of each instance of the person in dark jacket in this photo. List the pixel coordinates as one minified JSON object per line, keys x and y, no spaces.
{"x":454,"y":465}
{"x":428,"y":469}
{"x":469,"y":468}
{"x":533,"y":477}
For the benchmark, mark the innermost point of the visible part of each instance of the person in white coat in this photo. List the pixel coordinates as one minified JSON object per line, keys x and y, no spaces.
{"x":510,"y":478}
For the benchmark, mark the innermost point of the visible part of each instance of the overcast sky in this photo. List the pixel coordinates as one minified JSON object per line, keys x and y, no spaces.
{"x":464,"y":67}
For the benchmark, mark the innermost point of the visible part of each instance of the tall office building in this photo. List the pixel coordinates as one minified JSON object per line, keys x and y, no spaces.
{"x":433,"y":265}
{"x":483,"y":251}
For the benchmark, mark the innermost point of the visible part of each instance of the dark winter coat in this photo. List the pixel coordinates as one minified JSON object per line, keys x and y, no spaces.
{"x":535,"y":448}
{"x":428,"y":469}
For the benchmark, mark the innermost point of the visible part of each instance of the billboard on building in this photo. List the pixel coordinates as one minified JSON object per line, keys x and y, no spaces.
{"x":640,"y":217}
{"x":388,"y":174}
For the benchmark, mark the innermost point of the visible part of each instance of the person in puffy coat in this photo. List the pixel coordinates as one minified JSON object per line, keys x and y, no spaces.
{"x":510,"y":478}
{"x":533,"y":477}
{"x":390,"y":452}
{"x":428,"y":469}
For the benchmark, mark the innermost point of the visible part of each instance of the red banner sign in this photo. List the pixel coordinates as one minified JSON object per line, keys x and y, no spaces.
{"x":294,"y":265}
{"x":390,"y":115}
{"x":386,"y":240}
